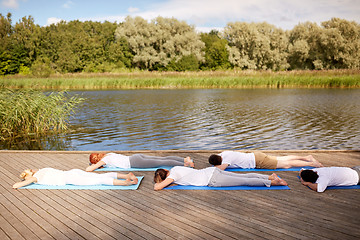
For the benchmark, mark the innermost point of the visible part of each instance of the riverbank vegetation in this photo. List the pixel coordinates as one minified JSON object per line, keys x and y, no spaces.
{"x":200,"y":79}
{"x":26,"y":113}
{"x":170,"y":45}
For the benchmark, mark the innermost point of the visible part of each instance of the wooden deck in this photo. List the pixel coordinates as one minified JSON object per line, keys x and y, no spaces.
{"x":298,"y":213}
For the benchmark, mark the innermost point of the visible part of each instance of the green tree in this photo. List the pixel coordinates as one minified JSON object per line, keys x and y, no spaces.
{"x":119,"y":53}
{"x":216,"y":54}
{"x":340,"y":41}
{"x":6,"y":58}
{"x":256,"y":46}
{"x":186,"y":63}
{"x":6,"y":30}
{"x":155,"y":44}
{"x":18,"y":44}
{"x":305,"y":50}
{"x":334,"y":44}
{"x":41,"y":67}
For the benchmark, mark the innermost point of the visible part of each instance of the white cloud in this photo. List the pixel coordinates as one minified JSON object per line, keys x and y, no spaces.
{"x":208,"y":29}
{"x":282,"y":13}
{"x":107,"y":18}
{"x":132,"y":9}
{"x":68,"y":4}
{"x":10,"y":3}
{"x":53,"y":20}
{"x":214,"y":14}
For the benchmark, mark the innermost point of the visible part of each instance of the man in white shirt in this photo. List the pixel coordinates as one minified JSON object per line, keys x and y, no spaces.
{"x":319,"y":179}
{"x":257,"y":159}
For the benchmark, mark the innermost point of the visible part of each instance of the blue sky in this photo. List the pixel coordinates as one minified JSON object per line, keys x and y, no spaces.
{"x":203,"y":14}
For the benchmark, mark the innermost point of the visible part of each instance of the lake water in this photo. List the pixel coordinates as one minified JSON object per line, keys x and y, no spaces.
{"x":207,"y":119}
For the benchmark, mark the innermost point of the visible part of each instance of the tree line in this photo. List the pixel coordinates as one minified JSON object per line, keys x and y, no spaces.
{"x":167,"y":44}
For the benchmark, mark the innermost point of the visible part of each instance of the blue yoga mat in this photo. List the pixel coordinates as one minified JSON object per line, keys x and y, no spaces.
{"x":188,"y":187}
{"x":81,"y":187}
{"x":130,"y":169}
{"x":344,"y":187}
{"x":265,"y":169}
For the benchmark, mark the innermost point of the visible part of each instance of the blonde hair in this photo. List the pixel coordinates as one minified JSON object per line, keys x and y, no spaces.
{"x":26,"y":173}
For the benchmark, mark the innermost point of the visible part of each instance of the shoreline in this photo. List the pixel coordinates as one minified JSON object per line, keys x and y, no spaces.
{"x":179,"y":151}
{"x":188,"y":80}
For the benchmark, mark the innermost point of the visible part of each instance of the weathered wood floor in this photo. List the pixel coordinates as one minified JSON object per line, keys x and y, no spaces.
{"x":298,"y":213}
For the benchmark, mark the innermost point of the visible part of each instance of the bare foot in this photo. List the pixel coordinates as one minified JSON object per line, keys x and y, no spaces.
{"x":125,"y":182}
{"x":128,"y":182}
{"x":310,"y":158}
{"x":188,"y":162}
{"x":278,"y":182}
{"x":317,"y":164}
{"x":134,"y":181}
{"x":273,"y":176}
{"x":131,"y":176}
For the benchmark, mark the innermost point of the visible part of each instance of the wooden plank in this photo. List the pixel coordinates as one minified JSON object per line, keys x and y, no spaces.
{"x":206,"y":215}
{"x":40,"y":215}
{"x":176,"y":227}
{"x":9,"y":230}
{"x":16,"y":221}
{"x":25,"y":212}
{"x":3,"y":235}
{"x":111,"y":210}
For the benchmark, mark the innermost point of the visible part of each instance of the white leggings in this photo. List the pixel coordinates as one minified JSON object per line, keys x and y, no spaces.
{"x":80,"y":177}
{"x":222,"y":178}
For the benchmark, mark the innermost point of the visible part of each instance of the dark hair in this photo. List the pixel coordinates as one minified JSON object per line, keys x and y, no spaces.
{"x":215,"y":160}
{"x":309,"y":176}
{"x":160,"y":175}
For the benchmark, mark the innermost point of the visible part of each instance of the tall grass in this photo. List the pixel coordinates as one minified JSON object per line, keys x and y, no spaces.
{"x":30,"y":112}
{"x":203,"y":79}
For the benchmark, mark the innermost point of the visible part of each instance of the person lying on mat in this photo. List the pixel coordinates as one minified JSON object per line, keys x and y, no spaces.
{"x":257,"y":159}
{"x":212,"y":177}
{"x":51,"y":176}
{"x":116,"y":160}
{"x":318,"y":179}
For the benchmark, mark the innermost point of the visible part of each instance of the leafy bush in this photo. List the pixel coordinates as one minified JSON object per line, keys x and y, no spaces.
{"x":24,"y":70}
{"x":41,"y":68}
{"x":186,"y":63}
{"x":24,"y":112}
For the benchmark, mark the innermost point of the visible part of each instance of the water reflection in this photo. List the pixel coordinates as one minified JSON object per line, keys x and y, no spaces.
{"x":32,"y":142}
{"x":218,"y":119}
{"x":209,"y":119}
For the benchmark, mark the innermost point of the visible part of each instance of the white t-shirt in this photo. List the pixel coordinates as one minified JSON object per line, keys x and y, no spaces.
{"x":50,"y":176}
{"x":335,"y":176}
{"x":189,"y":176}
{"x":238,"y":159}
{"x":114,"y":160}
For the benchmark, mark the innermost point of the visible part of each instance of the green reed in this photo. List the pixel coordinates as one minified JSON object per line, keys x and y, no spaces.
{"x":31,"y":112}
{"x":202,"y":79}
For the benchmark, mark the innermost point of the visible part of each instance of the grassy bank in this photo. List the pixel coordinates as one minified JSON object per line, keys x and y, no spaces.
{"x":204,"y":79}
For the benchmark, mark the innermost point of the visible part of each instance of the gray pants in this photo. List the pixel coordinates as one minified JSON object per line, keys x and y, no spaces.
{"x":145,"y":161}
{"x":222,"y":178}
{"x":357,"y":169}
